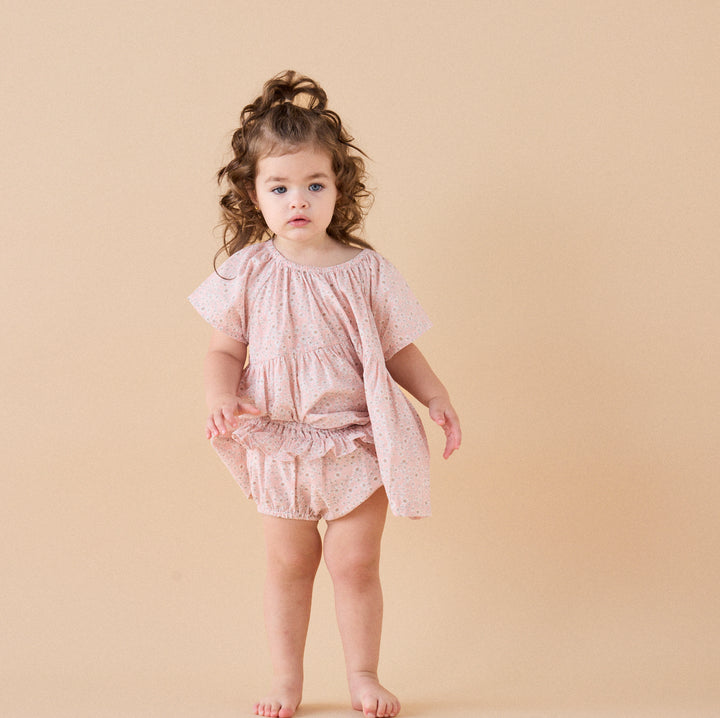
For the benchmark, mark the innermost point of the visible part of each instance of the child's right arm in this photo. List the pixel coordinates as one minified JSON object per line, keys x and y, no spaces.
{"x":224,"y":365}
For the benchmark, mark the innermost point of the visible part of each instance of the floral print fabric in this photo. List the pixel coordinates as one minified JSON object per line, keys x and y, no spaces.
{"x":334,"y":425}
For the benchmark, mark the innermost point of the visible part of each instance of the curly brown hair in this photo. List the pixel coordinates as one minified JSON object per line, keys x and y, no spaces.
{"x":274,"y":124}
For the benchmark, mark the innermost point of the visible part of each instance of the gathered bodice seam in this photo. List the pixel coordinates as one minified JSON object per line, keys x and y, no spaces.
{"x":257,"y":362}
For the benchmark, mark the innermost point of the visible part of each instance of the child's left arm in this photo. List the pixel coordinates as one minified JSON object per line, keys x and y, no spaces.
{"x":410,"y":369}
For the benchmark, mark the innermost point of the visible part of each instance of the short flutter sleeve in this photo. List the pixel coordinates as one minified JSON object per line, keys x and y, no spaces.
{"x":220,"y":299}
{"x":399,"y":318}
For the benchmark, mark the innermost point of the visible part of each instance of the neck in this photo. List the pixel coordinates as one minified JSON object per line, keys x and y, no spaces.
{"x":328,"y":255}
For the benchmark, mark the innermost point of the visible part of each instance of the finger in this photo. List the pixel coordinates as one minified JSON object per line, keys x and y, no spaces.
{"x":219,"y":418}
{"x":438,"y":417}
{"x":452,"y":442}
{"x":453,"y":431}
{"x":247,"y":408}
{"x":228,"y":417}
{"x":212,"y":428}
{"x":456,"y":436}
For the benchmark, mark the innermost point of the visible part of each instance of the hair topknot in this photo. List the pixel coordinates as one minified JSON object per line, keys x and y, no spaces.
{"x":291,"y":112}
{"x":284,"y":88}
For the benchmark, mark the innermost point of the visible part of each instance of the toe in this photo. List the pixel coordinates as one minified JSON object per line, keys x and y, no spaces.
{"x":370,"y":708}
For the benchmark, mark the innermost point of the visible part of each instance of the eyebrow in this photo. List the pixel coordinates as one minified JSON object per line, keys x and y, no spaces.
{"x":316,"y":175}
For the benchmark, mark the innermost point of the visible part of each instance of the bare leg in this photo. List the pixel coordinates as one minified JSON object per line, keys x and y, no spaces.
{"x":352,"y":554}
{"x":294,"y":549}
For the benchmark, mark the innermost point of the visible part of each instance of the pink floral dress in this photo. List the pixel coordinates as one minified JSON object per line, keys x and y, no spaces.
{"x":335,"y":426}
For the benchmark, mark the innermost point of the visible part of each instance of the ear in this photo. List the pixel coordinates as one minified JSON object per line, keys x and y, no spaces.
{"x":253,"y":195}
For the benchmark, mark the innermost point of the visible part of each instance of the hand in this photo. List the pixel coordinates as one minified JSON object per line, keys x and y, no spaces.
{"x":224,"y":409}
{"x":443,"y":414}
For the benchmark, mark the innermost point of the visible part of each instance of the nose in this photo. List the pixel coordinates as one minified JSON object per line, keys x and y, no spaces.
{"x":298,"y":200}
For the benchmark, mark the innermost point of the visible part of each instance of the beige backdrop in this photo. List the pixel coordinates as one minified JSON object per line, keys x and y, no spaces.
{"x":547,"y":180}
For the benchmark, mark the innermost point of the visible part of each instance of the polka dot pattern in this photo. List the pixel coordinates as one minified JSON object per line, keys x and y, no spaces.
{"x":335,"y":425}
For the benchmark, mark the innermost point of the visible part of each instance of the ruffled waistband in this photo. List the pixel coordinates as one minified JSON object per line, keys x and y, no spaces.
{"x":286,"y":440}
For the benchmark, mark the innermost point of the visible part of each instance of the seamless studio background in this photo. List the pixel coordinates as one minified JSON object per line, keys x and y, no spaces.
{"x":546,"y":178}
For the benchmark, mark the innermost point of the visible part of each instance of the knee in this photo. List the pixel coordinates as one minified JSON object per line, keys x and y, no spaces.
{"x":292,"y":564}
{"x":357,"y":567}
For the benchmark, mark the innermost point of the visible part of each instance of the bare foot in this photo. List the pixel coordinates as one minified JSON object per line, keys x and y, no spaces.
{"x":371,"y":698}
{"x":280,"y":703}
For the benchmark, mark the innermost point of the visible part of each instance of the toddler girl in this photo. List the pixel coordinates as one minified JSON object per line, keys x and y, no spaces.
{"x":315,"y":425}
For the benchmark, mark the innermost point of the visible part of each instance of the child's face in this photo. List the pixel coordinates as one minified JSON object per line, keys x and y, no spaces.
{"x":296,"y":194}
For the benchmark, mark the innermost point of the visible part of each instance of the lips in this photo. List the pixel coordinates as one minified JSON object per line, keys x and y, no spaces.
{"x":299,"y":221}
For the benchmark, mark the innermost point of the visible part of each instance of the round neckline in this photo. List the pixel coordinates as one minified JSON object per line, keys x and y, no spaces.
{"x":312,"y":267}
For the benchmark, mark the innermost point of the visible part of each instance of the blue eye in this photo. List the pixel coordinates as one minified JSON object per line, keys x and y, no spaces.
{"x":279,"y":190}
{"x":315,"y":187}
